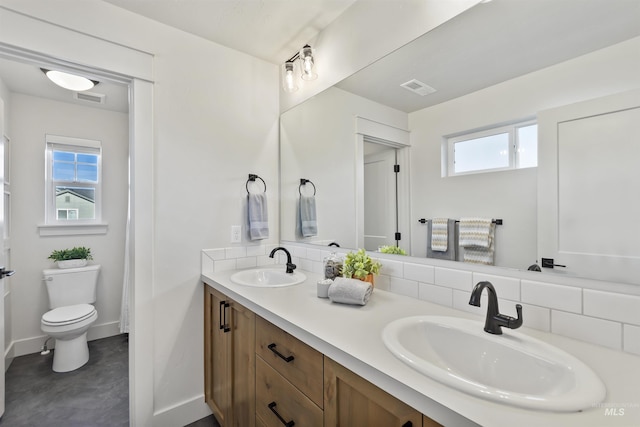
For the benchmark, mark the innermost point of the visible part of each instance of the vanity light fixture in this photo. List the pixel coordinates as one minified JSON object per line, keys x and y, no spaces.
{"x":69,"y":81}
{"x":307,"y":70}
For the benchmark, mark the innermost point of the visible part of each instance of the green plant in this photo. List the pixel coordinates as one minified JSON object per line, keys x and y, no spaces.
{"x":392,"y":250}
{"x":359,"y":265}
{"x":74,"y":253}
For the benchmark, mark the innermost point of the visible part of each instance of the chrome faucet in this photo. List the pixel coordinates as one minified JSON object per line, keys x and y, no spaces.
{"x":495,"y":321}
{"x":290,"y":266}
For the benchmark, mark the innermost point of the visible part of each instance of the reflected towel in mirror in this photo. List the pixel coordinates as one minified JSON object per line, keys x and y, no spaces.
{"x":451,"y":253}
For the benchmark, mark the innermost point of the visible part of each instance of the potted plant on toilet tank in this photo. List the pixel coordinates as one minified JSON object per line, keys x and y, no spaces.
{"x":71,"y":258}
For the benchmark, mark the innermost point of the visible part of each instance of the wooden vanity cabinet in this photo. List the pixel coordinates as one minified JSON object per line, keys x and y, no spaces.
{"x":352,"y":401}
{"x":257,"y":375}
{"x":289,"y":379}
{"x":229,"y":360}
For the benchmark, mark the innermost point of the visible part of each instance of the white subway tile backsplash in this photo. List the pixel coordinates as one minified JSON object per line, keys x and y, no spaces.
{"x":597,"y":331}
{"x":594,"y":316}
{"x":419,"y":273}
{"x":215,"y":254}
{"x":206,"y":263}
{"x":391,"y":268}
{"x":435,"y":294}
{"x":506,"y":287}
{"x":607,"y":305}
{"x":247,"y":262}
{"x":552,"y":296}
{"x":256,"y":250}
{"x":631,"y":339}
{"x":235,"y":252}
{"x":263,"y":260}
{"x":536,"y":317}
{"x":314,"y":254}
{"x":455,"y":279}
{"x":403,"y":287}
{"x":225,"y":265}
{"x":461,"y":302}
{"x":382,"y":282}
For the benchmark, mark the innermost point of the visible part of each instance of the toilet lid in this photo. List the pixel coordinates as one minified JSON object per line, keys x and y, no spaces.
{"x":68,"y":314}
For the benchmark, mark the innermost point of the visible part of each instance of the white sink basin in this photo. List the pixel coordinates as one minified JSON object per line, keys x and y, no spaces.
{"x":511,"y":368}
{"x":268,"y":277}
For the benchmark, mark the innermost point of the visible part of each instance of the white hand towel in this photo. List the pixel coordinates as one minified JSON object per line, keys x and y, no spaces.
{"x":439,"y":234}
{"x":258,"y":218}
{"x":308,"y":219}
{"x":350,"y":291}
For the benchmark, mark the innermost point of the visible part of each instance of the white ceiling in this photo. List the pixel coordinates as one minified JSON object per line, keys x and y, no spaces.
{"x":490,"y":43}
{"x":494,"y":42}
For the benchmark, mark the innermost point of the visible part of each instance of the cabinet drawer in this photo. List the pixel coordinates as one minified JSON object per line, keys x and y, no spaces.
{"x":294,"y":360}
{"x":279,"y":402}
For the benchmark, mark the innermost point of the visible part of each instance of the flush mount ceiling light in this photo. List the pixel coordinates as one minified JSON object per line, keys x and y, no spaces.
{"x":69,"y":81}
{"x":307,"y":70}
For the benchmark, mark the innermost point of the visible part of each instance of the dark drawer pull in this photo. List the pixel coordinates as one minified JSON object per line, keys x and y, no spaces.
{"x":272,"y":406}
{"x":407,"y":424}
{"x":272,"y":347}
{"x":222,"y":318}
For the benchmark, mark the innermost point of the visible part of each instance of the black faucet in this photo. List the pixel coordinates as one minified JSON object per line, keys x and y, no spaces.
{"x":495,"y":321}
{"x":290,"y":266}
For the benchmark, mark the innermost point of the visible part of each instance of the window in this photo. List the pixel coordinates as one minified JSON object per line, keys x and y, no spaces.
{"x":513,"y":146}
{"x":73,"y":181}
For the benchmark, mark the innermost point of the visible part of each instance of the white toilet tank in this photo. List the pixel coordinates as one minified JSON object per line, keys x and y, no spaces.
{"x":68,"y":286}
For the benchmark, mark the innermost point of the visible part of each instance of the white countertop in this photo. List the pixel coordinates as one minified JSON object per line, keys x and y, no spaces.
{"x":351,"y":335}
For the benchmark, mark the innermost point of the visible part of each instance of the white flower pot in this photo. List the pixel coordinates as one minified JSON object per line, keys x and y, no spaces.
{"x":72,"y":263}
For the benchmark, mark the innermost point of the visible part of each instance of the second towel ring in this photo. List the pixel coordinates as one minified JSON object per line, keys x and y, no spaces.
{"x":252,"y":177}
{"x":304,"y":182}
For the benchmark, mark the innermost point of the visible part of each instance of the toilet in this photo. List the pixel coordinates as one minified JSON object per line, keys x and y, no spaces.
{"x":72,"y":293}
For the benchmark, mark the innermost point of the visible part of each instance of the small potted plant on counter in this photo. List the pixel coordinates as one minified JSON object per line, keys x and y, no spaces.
{"x":71,"y":258}
{"x":359,"y":265}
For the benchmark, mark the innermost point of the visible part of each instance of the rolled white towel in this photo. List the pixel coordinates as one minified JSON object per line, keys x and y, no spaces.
{"x":350,"y":291}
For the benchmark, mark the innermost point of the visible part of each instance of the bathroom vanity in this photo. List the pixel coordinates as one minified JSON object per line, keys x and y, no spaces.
{"x":279,"y":355}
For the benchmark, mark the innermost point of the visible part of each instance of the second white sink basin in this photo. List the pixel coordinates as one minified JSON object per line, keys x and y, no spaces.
{"x":511,"y":368}
{"x":268,"y":277}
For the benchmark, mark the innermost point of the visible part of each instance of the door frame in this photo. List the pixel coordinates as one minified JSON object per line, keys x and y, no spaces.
{"x":141,"y":392}
{"x":397,"y":138}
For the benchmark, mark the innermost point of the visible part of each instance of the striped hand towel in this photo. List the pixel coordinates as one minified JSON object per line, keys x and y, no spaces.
{"x":439,"y":234}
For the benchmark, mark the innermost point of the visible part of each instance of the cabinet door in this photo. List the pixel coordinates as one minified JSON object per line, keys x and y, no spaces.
{"x":242,"y":358}
{"x":351,"y":401}
{"x":216,"y":356}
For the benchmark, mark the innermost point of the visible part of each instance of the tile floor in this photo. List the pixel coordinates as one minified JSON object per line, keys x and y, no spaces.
{"x":95,"y":395}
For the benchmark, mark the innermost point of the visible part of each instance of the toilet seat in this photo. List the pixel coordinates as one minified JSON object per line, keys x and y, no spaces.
{"x":68,"y":315}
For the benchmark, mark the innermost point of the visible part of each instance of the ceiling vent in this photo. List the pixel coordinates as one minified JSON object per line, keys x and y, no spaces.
{"x":96,"y":98}
{"x":418,"y":87}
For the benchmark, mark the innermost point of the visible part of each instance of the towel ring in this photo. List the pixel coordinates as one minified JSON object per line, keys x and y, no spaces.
{"x":252,"y":177}
{"x":303,"y":182}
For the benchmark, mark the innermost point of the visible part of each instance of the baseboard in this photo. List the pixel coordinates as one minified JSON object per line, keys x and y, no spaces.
{"x":183,"y":413}
{"x":34,"y":344}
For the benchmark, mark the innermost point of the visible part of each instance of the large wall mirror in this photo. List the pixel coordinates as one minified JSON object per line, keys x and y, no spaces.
{"x":498,"y":63}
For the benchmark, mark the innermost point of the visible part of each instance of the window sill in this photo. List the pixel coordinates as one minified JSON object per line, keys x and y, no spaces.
{"x":71,"y":230}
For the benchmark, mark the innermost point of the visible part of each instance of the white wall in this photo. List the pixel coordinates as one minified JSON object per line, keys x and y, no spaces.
{"x":215,"y":115}
{"x":31,"y":119}
{"x":318,"y":142}
{"x":509,"y":195}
